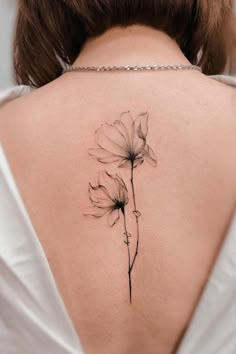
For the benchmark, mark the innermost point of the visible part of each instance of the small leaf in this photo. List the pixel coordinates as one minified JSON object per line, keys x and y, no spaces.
{"x":137,"y":213}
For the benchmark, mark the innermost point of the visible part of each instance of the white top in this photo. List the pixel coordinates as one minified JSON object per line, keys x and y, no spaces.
{"x":33,"y":317}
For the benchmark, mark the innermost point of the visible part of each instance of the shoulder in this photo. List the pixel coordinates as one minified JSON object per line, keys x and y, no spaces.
{"x":224,"y":97}
{"x":15,"y":103}
{"x":10,"y":94}
{"x":8,"y":97}
{"x":225,"y":79}
{"x":19,"y":102}
{"x":228,"y":89}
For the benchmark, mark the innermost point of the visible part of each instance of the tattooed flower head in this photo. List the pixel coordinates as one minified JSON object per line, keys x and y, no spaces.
{"x":108,"y":196}
{"x":124,"y":141}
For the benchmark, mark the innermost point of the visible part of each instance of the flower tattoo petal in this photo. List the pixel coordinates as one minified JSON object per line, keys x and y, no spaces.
{"x":95,"y":212}
{"x":150,"y":156}
{"x":104,"y":156}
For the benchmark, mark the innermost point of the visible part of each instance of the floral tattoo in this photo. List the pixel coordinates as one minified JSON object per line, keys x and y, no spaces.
{"x":124,"y":142}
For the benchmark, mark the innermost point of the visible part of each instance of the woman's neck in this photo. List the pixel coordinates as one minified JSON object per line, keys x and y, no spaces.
{"x":133,"y":45}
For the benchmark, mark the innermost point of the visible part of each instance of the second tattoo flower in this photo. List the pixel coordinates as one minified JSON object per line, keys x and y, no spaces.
{"x":108,"y":196}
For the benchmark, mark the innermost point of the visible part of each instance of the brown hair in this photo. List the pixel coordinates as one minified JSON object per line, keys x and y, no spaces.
{"x":51,"y":34}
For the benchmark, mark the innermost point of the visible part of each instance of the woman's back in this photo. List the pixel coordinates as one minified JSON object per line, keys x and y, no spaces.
{"x":186,"y":200}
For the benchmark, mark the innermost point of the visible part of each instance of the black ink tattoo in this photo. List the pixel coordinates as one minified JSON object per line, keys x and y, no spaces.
{"x":110,"y":195}
{"x":123,"y":142}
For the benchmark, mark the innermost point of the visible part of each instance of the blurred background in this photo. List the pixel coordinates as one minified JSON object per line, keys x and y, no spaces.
{"x":8,"y":10}
{"x":7,"y":18}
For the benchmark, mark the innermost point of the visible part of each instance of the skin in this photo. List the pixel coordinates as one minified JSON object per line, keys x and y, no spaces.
{"x":187,"y":201}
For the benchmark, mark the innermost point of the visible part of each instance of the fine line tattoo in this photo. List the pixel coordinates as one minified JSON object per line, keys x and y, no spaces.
{"x":124,"y":142}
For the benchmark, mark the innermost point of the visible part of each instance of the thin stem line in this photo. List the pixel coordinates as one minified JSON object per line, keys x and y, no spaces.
{"x":127,"y":243}
{"x":135,"y":213}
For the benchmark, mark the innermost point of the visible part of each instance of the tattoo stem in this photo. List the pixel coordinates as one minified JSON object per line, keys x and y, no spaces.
{"x":135,"y":213}
{"x":127,"y":243}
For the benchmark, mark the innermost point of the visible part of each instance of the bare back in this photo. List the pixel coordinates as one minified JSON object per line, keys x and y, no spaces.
{"x":184,"y":201}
